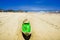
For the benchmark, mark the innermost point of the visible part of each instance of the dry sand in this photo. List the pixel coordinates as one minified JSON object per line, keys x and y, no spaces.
{"x":44,"y":26}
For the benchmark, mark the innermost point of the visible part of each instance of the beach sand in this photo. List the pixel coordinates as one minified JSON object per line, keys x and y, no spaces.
{"x":45,"y":26}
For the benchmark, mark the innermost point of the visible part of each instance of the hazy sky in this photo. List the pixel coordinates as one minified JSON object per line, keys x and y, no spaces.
{"x":30,"y":4}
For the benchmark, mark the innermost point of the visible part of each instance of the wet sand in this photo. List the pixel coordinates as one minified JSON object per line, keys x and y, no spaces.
{"x":44,"y":26}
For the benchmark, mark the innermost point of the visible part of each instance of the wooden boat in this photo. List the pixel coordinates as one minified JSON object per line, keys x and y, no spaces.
{"x":26,"y":27}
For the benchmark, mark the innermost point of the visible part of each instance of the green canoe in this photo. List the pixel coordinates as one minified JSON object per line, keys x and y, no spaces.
{"x":26,"y":28}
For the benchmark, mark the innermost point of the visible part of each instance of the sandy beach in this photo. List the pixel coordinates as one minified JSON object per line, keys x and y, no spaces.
{"x":45,"y":26}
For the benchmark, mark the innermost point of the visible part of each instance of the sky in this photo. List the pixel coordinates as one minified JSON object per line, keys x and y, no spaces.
{"x":30,"y":4}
